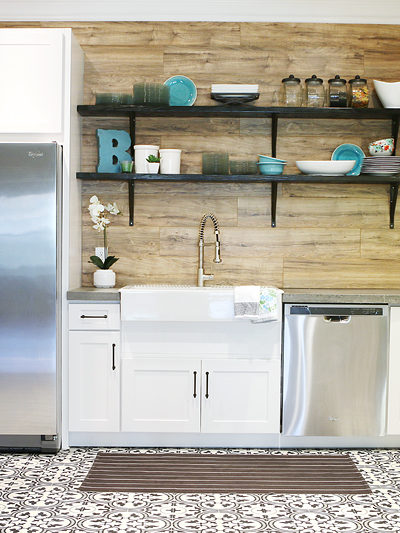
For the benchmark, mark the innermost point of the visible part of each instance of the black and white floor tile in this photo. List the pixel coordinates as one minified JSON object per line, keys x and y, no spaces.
{"x":40,"y":494}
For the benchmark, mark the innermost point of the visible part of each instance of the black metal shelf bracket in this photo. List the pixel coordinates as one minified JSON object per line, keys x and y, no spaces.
{"x":131,"y":191}
{"x":132,"y":132}
{"x":394,"y":189}
{"x":274,"y":134}
{"x":274,"y":195}
{"x":395,"y":131}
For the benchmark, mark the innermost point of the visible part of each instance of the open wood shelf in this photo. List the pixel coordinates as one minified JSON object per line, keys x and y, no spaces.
{"x":254,"y":111}
{"x":121,"y":110}
{"x":392,"y":180}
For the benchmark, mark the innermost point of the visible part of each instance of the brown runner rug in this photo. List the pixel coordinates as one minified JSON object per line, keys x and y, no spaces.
{"x":294,"y":474}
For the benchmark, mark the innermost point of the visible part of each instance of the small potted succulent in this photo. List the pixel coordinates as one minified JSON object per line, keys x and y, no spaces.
{"x":104,"y":277}
{"x":153,"y":164}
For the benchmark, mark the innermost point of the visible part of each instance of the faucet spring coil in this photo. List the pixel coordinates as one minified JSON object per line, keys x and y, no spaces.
{"x":203,"y":221}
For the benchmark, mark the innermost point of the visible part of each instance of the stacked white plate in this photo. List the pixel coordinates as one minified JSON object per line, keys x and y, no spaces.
{"x":383,"y":165}
{"x":233,"y":88}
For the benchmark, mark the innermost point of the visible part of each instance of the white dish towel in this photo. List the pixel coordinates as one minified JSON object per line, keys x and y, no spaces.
{"x":258,"y":304}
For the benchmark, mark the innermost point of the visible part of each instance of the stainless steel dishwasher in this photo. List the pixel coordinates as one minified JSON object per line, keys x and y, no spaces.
{"x":335,"y":370}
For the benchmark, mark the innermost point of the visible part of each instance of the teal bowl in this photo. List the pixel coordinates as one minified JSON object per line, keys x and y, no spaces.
{"x":271,"y":169}
{"x":266,"y":158}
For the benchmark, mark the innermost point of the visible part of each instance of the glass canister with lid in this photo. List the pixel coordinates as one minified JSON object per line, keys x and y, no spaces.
{"x":291,"y":91}
{"x":359,"y":96}
{"x":337,"y":92}
{"x":315,"y":92}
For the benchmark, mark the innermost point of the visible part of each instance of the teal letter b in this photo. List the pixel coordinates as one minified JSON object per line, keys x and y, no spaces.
{"x":113,"y":146}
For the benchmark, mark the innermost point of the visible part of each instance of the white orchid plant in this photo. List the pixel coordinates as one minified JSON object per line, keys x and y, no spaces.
{"x":99,"y":213}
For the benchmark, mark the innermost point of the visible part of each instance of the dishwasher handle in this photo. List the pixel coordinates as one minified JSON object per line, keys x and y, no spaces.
{"x":335,"y":311}
{"x":338,"y":319}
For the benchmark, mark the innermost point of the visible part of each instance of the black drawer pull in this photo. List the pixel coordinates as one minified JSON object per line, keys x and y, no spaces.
{"x":194,"y":384}
{"x":113,"y":357}
{"x":94,"y":316}
{"x":207,"y":374}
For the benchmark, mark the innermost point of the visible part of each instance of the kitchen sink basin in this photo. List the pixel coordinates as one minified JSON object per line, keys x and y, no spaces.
{"x":184,"y":303}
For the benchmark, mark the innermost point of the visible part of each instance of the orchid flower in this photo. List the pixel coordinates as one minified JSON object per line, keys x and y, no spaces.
{"x":99,"y":215}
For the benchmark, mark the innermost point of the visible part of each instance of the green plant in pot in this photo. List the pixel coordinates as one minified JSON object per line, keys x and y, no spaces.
{"x":153,"y":164}
{"x":104,"y":277}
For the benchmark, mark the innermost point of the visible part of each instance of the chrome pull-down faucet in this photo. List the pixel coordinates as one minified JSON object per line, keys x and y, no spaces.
{"x":201,"y":277}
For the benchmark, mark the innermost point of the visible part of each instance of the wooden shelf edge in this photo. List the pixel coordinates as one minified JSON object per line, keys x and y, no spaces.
{"x":245,"y":178}
{"x":121,"y":110}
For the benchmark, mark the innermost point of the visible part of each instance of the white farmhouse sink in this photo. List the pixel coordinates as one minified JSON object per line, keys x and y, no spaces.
{"x":176,"y":303}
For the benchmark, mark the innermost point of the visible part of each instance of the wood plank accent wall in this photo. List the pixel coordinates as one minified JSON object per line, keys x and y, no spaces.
{"x":334,"y":236}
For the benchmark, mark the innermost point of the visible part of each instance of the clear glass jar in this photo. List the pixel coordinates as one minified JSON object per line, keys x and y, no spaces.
{"x":359,"y":96}
{"x":337,"y":92}
{"x":315,"y":92}
{"x":291,"y":95}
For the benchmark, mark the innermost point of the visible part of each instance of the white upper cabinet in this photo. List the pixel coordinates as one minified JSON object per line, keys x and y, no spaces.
{"x":393,"y":420}
{"x":31,"y":88}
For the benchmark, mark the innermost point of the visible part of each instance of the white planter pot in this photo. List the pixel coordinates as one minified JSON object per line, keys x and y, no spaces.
{"x":104,"y":279}
{"x":153,"y":167}
{"x":142,"y":152}
{"x":170,"y":161}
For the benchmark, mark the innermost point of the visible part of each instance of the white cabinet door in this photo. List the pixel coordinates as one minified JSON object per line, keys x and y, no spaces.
{"x":94,"y":370}
{"x":160,"y":395}
{"x":31,"y":88}
{"x":393,"y":420}
{"x":240,"y":396}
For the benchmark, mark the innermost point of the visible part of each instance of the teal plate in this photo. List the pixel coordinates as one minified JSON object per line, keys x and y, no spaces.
{"x":182,"y":91}
{"x":346,"y":152}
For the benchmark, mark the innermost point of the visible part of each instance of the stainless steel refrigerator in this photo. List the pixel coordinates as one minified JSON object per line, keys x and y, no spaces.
{"x":30,"y":216}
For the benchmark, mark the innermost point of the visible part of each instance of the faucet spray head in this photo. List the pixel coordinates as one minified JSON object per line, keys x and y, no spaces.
{"x":217,"y":258}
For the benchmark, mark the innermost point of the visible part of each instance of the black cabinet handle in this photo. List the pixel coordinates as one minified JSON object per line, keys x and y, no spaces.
{"x":93,"y":316}
{"x":113,"y":357}
{"x":207,"y":395}
{"x":194,"y":384}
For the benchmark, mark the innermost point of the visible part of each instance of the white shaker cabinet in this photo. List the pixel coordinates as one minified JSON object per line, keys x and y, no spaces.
{"x":240,"y":396}
{"x":393,"y":419}
{"x":32,"y":82}
{"x":161,"y":394}
{"x":94,"y":374}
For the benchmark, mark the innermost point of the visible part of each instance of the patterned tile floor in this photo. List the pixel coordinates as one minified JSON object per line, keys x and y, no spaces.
{"x":39,"y":493}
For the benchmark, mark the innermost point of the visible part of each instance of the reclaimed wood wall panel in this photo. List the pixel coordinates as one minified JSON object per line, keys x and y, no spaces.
{"x":327,"y":235}
{"x":326,"y":273}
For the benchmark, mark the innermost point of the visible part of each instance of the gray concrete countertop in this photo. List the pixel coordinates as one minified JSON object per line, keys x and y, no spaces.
{"x":93,"y":294}
{"x":342,"y":296}
{"x":351,"y":296}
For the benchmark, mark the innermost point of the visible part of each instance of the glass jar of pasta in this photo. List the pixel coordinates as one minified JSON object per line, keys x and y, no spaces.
{"x":359,"y":92}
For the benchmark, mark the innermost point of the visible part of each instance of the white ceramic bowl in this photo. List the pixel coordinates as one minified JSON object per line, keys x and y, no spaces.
{"x":326,"y":168}
{"x":388,"y":93}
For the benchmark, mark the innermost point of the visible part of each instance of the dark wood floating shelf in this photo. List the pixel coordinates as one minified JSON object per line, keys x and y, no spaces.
{"x":121,"y":110}
{"x":392,"y":180}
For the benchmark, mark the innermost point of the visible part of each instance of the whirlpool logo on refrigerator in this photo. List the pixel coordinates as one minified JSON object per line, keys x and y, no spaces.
{"x":34,"y":155}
